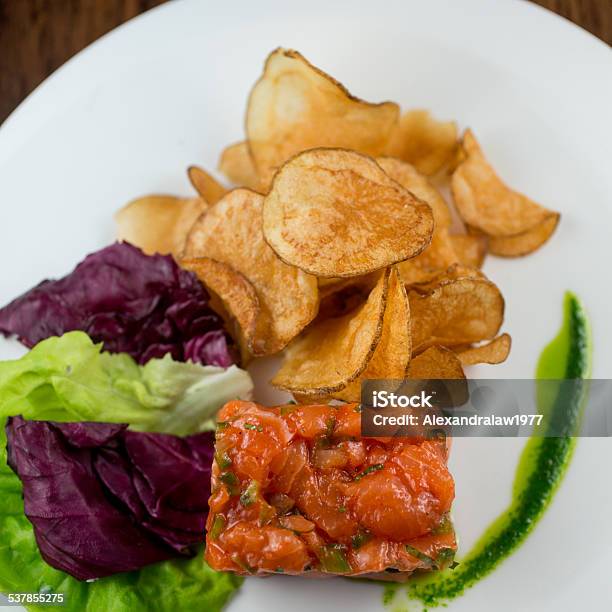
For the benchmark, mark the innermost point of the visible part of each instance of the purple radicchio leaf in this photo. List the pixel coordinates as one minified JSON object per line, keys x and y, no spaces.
{"x":103,"y":499}
{"x":144,"y":305}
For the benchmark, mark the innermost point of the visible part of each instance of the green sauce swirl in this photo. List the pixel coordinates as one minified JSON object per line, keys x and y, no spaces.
{"x":541,"y":468}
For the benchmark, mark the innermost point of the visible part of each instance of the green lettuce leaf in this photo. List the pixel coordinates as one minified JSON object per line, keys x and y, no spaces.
{"x":173,"y":586}
{"x":71,"y":379}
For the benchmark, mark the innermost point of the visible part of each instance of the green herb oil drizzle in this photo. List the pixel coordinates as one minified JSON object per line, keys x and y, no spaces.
{"x":541,"y":468}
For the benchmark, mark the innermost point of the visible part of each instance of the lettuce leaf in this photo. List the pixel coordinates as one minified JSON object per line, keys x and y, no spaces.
{"x":70,"y":379}
{"x":170,"y":586}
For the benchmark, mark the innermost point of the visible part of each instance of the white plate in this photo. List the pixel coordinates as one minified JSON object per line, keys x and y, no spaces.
{"x":130,"y":113}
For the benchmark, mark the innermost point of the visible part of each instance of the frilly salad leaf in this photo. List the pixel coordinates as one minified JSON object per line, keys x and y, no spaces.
{"x":71,"y":379}
{"x":170,"y":586}
{"x":143,"y":305}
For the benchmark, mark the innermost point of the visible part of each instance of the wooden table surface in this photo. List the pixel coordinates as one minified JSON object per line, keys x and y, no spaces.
{"x":38,"y":36}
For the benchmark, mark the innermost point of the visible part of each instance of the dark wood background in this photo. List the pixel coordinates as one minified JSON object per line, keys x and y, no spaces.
{"x":38,"y":36}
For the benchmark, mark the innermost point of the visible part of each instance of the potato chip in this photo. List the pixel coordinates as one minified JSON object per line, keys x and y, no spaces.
{"x":328,"y":286}
{"x":333,"y":212}
{"x":440,"y":253}
{"x":493,"y":352}
{"x":418,"y":184}
{"x":329,"y":282}
{"x":438,"y":256}
{"x":525,"y":243}
{"x":457,"y":158}
{"x":237,"y":295}
{"x":311,"y":399}
{"x":206,"y":185}
{"x":230,"y":232}
{"x":488,"y":205}
{"x":415,"y":276}
{"x":345,"y":294}
{"x":295,"y":106}
{"x":341,"y":302}
{"x":435,"y":363}
{"x":471,"y":249}
{"x":455,"y":312}
{"x":237,"y":165}
{"x":332,"y":353}
{"x":394,"y":349}
{"x":158,"y":223}
{"x":334,"y":286}
{"x":424,"y":142}
{"x":453,"y":272}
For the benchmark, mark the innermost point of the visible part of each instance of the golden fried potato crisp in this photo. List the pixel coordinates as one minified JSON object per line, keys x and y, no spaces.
{"x":424,"y":142}
{"x":328,"y":286}
{"x":341,"y":296}
{"x":435,"y":363}
{"x":455,"y":312}
{"x":419,"y":185}
{"x":237,"y":165}
{"x":237,"y":295}
{"x":332,"y":353}
{"x":330,"y":283}
{"x":333,"y":212}
{"x":295,"y":106}
{"x":158,"y":223}
{"x":496,"y":351}
{"x":486,"y":204}
{"x":394,"y":349}
{"x":341,"y":302}
{"x":206,"y":185}
{"x":454,"y":272}
{"x":439,"y":254}
{"x":525,"y":243}
{"x":337,"y":245}
{"x":470,"y":249}
{"x":230,"y":232}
